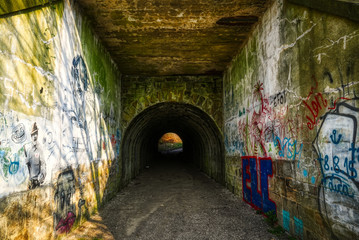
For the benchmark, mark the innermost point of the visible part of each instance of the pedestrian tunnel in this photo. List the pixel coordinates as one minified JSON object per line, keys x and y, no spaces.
{"x":201,"y":138}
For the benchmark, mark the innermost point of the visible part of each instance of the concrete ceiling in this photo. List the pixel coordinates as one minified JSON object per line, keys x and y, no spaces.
{"x":173,"y":37}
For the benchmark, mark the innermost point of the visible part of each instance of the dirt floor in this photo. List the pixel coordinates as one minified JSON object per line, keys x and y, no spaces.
{"x":171,"y":200}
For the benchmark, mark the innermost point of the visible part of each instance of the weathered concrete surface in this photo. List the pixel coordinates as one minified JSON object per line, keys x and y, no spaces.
{"x":171,"y":37}
{"x":171,"y":200}
{"x":291,"y":113}
{"x":59,"y":122}
{"x":344,"y":8}
{"x":9,"y":7}
{"x":138,"y":93}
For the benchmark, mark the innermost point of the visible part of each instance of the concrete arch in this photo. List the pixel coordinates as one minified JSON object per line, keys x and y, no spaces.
{"x":202,"y":139}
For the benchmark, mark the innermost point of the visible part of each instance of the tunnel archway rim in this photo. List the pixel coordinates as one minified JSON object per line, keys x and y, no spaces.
{"x":217,"y":134}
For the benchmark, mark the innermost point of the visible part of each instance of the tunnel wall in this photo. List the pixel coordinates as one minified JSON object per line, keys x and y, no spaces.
{"x":140,"y":92}
{"x":290,"y":121}
{"x":58,"y":83}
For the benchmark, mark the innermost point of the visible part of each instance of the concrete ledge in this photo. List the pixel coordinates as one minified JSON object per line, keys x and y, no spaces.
{"x":343,"y":8}
{"x":11,"y":6}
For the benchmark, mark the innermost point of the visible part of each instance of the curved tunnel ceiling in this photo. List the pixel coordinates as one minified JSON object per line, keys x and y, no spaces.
{"x":173,"y":37}
{"x":202,"y":141}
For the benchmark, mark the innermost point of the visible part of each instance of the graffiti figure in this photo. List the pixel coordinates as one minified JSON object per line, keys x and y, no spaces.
{"x":18,"y":134}
{"x":64,"y":216}
{"x":79,"y":86}
{"x":74,"y":116}
{"x":337,"y":147}
{"x":34,"y":161}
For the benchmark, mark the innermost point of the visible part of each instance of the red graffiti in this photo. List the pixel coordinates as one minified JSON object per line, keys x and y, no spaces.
{"x":113,"y":140}
{"x":65,"y":225}
{"x":316,"y":105}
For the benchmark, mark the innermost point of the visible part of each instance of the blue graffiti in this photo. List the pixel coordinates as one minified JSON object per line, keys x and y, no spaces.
{"x":333,"y":137}
{"x":298,"y":227}
{"x":241,"y":113}
{"x":234,"y":146}
{"x":286,"y":220}
{"x":259,"y":199}
{"x":339,"y":168}
{"x":288,"y":147}
{"x":14,"y":165}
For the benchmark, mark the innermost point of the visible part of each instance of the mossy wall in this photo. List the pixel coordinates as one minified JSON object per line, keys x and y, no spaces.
{"x":59,"y":122}
{"x":141,"y":92}
{"x":290,"y":117}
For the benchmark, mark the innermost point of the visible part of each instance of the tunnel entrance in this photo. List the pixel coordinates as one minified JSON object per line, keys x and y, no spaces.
{"x":202,"y":139}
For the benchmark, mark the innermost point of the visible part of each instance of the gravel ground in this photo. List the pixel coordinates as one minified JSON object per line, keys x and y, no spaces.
{"x":171,"y":200}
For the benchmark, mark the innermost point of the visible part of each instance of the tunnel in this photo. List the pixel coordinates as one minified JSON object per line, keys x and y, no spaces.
{"x":202,"y":140}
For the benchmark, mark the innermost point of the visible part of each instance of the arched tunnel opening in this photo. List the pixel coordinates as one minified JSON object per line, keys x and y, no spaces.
{"x":202,"y":140}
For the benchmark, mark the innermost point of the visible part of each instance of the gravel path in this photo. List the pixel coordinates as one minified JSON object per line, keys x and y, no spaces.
{"x":170,"y":200}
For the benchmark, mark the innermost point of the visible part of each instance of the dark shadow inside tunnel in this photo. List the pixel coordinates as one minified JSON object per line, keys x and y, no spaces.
{"x":202,"y":140}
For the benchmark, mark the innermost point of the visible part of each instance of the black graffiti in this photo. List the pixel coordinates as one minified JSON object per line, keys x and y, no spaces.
{"x":64,"y":216}
{"x":278,"y":99}
{"x":34,"y":160}
{"x":18,"y":133}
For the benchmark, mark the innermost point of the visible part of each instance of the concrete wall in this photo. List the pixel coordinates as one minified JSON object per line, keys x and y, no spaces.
{"x":59,"y":122}
{"x":290,"y":116}
{"x":141,"y":92}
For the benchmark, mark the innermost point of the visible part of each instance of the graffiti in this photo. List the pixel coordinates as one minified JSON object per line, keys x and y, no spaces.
{"x":252,"y":167}
{"x":75,"y":126}
{"x":13,"y":169}
{"x":11,"y":166}
{"x":64,"y":216}
{"x":118,"y":139}
{"x":286,"y":148}
{"x":242,"y":112}
{"x":18,"y":134}
{"x":338,"y":157}
{"x":286,"y":220}
{"x":298,"y":224}
{"x":278,"y":99}
{"x":34,"y":160}
{"x":317,"y":104}
{"x":79,"y":87}
{"x":298,"y":228}
{"x":252,"y":129}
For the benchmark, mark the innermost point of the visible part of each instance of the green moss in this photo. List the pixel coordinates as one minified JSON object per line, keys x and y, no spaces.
{"x":17,"y":5}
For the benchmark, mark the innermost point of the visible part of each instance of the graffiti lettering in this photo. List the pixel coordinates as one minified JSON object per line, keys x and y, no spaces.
{"x":288,"y":147}
{"x":286,"y":220}
{"x":316,"y":105}
{"x":258,"y":199}
{"x":298,"y":228}
{"x":278,"y":99}
{"x":338,"y":156}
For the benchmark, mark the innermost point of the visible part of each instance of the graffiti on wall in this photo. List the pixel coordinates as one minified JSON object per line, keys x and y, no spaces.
{"x":257,"y":193}
{"x":35,"y":160}
{"x":298,"y":224}
{"x":74,"y":122}
{"x":287,"y":148}
{"x":65,"y":208}
{"x":336,"y":144}
{"x":264,"y":127}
